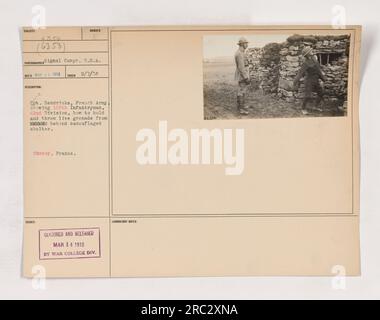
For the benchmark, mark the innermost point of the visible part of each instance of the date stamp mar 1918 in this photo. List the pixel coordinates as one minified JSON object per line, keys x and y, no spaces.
{"x":74,"y":243}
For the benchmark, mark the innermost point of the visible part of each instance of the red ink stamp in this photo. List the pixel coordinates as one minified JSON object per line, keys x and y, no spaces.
{"x":74,"y":243}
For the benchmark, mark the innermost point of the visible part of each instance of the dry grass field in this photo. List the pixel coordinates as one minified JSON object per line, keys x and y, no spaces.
{"x":219,"y":90}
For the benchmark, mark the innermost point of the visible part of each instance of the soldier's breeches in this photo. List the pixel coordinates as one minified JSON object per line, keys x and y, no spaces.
{"x":242,"y":88}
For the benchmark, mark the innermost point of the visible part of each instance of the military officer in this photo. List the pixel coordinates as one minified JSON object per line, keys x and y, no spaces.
{"x":242,"y":75}
{"x":312,"y":72}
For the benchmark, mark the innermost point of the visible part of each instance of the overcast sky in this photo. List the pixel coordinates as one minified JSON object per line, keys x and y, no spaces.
{"x":226,"y":45}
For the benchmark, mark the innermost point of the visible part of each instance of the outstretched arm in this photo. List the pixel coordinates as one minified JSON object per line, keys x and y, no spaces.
{"x":299,"y":75}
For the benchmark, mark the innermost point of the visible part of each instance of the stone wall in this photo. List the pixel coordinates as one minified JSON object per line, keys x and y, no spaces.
{"x":264,"y":67}
{"x":274,"y":67}
{"x":254,"y":55}
{"x":335,"y":48}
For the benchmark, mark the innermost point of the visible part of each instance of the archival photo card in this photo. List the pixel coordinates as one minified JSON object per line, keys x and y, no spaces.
{"x":125,"y":176}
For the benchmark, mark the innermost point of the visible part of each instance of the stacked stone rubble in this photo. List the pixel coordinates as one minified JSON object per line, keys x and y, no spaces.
{"x":274,"y":67}
{"x":270,"y":66}
{"x":289,"y":66}
{"x":254,"y":55}
{"x":264,"y":67}
{"x":336,"y":72}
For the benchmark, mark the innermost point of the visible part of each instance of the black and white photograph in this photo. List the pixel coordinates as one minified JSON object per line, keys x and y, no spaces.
{"x":275,"y":76}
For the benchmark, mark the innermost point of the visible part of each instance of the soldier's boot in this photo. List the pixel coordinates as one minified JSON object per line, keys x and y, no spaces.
{"x":240,"y":105}
{"x":244,"y":102}
{"x":304,"y":105}
{"x":320,"y":103}
{"x":243,"y":108}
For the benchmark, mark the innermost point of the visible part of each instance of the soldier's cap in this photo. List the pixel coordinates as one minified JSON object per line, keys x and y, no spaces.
{"x":242,"y":40}
{"x":306,"y":51}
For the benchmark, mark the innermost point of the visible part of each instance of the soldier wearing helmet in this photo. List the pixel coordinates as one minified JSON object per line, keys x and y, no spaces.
{"x":312,"y":72}
{"x":242,"y":75}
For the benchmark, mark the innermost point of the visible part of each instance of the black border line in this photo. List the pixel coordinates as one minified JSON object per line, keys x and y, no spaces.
{"x":208,"y":215}
{"x":110,"y":202}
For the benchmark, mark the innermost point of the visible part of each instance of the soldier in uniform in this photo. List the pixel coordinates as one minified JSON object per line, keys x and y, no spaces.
{"x":242,"y":75}
{"x":312,"y":72}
